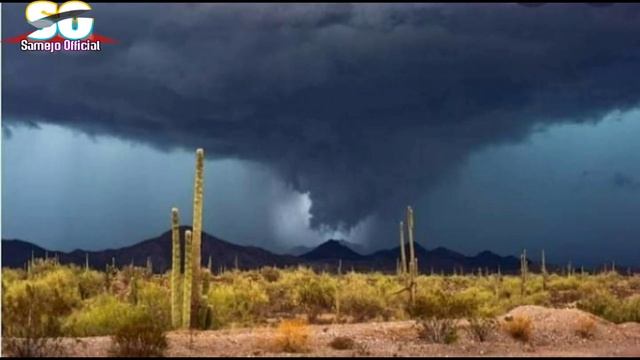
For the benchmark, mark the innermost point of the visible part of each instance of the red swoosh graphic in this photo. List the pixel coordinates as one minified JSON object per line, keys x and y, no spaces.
{"x":58,"y":38}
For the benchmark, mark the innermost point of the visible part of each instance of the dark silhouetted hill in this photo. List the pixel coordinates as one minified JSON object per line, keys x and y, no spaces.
{"x":326,"y":256}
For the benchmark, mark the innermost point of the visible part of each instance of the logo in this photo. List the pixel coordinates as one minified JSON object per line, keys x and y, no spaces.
{"x":64,"y":27}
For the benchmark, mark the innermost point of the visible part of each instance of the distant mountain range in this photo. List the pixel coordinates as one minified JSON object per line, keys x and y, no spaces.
{"x":16,"y":253}
{"x":301,"y":249}
{"x":332,"y":250}
{"x":326,"y":256}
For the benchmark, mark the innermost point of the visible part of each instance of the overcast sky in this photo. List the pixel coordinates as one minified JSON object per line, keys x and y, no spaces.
{"x":505,"y":126}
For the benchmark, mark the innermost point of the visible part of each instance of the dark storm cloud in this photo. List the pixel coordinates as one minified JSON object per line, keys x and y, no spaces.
{"x":364,"y":106}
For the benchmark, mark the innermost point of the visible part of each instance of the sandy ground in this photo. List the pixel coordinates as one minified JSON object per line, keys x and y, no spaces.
{"x":554,"y":334}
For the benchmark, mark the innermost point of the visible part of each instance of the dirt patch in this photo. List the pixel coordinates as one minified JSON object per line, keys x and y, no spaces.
{"x":553,"y":335}
{"x":562,"y":326}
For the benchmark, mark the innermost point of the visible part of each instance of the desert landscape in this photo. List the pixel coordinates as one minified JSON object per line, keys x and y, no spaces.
{"x":380,"y":180}
{"x":557,"y":333}
{"x":50,"y":308}
{"x":54,"y":309}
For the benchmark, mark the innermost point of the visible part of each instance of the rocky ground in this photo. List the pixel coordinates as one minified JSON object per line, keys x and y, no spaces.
{"x":554,"y":334}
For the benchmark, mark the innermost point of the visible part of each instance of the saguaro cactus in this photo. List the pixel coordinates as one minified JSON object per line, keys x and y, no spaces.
{"x":197,"y":229}
{"x":523,"y":271}
{"x":412,"y":261}
{"x":338,"y":290}
{"x":403,"y":256}
{"x":543,"y":270}
{"x":188,"y":280}
{"x":176,"y":293}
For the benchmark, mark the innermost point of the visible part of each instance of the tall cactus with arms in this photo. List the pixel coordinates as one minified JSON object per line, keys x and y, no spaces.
{"x":186,"y":288}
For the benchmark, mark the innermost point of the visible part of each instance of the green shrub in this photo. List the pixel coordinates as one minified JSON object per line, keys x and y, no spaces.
{"x":33,"y":309}
{"x":104,"y":314}
{"x":157,"y":300}
{"x":558,"y":283}
{"x":42,"y":267}
{"x":139,"y":336}
{"x":631,"y":309}
{"x":437,"y":311}
{"x":270,"y":274}
{"x":243,"y":301}
{"x":606,"y":305}
{"x":360,"y":299}
{"x":100,"y":316}
{"x":10,"y":276}
{"x":30,"y":322}
{"x":281,"y":297}
{"x":90,"y":284}
{"x":59,"y":287}
{"x":477,"y":301}
{"x":316,"y":295}
{"x":439,"y":304}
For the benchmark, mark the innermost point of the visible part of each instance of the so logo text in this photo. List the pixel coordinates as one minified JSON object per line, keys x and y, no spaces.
{"x":60,"y":27}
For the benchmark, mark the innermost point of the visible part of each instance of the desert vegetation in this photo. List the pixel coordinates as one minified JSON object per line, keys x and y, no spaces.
{"x":51,"y":301}
{"x":48,"y":302}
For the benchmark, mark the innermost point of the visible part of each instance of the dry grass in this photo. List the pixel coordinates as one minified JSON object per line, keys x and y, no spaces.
{"x":481,"y":328}
{"x":434,"y":330}
{"x":140,"y":337}
{"x":292,"y":336}
{"x":519,"y":327}
{"x":585,"y":327}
